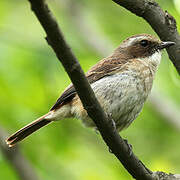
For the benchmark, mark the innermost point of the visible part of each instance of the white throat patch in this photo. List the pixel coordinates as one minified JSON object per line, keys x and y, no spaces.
{"x":155,"y":58}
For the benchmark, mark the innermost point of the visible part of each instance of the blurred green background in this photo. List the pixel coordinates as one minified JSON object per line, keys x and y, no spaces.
{"x":31,"y":79}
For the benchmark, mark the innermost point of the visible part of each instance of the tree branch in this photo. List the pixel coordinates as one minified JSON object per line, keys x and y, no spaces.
{"x":117,"y":145}
{"x":14,"y":156}
{"x":161,"y":22}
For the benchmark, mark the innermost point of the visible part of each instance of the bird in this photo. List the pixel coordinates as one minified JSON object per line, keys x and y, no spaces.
{"x":121,"y":83}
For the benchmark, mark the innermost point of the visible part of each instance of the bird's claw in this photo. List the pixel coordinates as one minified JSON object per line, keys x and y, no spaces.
{"x":112,"y":122}
{"x":129,"y":147}
{"x":96,"y":130}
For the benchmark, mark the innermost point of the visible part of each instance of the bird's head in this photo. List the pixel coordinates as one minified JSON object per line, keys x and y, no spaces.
{"x":143,"y":46}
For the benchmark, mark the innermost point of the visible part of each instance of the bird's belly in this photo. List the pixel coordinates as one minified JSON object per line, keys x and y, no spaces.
{"x":121,"y":96}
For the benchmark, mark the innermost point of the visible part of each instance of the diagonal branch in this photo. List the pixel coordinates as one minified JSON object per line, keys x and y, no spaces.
{"x":161,"y":22}
{"x":117,"y":145}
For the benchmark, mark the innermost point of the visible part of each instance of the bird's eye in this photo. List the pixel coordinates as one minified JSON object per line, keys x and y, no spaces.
{"x":144,"y":43}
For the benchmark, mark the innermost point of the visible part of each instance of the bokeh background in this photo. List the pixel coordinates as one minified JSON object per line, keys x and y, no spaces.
{"x":31,"y":79}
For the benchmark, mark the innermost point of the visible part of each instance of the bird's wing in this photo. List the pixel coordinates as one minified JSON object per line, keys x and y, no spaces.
{"x":100,"y":70}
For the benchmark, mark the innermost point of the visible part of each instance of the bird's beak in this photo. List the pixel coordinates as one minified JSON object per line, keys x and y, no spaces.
{"x":163,"y":45}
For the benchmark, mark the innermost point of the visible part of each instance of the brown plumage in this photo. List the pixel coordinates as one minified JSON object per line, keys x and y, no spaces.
{"x":27,"y":130}
{"x":121,"y":83}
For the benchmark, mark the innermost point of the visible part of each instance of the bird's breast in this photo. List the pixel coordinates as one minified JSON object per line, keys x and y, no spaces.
{"x":121,"y":95}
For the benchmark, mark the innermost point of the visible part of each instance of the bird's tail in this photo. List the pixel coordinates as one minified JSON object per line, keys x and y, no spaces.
{"x":27,"y":130}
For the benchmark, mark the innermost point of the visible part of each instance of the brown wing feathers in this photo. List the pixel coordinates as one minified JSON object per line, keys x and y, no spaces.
{"x":67,"y":96}
{"x":103,"y":68}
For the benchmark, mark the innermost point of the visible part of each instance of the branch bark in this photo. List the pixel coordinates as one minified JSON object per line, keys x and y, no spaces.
{"x":14,"y":156}
{"x":161,"y":22}
{"x":117,"y":145}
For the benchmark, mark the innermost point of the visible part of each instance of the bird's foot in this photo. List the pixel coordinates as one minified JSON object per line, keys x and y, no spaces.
{"x":129,"y":147}
{"x":112,"y":122}
{"x":110,"y":150}
{"x":96,"y":130}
